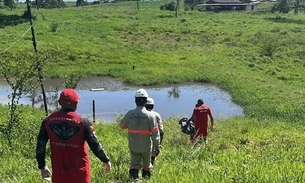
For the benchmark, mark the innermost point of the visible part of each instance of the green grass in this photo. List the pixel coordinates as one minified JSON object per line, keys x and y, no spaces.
{"x":257,"y":57}
{"x":239,"y":150}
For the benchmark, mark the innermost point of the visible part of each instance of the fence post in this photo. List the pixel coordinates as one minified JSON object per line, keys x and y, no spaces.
{"x":93,"y":110}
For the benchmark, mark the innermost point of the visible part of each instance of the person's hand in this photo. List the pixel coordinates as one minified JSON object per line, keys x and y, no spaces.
{"x":155,"y":153}
{"x":211,"y":128}
{"x":45,"y":173}
{"x":107,"y":166}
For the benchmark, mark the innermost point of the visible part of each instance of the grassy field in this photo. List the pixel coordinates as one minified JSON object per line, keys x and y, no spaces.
{"x":257,"y":57}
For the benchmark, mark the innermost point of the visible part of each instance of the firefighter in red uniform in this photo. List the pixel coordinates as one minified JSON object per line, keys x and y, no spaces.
{"x":143,"y":136}
{"x":200,"y":116}
{"x":68,"y":134}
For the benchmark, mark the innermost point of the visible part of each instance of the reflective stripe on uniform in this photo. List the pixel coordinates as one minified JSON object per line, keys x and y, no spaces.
{"x":155,"y":129}
{"x":142,"y":132}
{"x":123,"y":126}
{"x":133,"y":168}
{"x":147,"y":169}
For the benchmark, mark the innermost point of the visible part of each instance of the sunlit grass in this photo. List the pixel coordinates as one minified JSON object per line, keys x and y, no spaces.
{"x":238,"y":150}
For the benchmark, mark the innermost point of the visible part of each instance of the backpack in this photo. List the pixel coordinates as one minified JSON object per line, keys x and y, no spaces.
{"x":187,"y":127}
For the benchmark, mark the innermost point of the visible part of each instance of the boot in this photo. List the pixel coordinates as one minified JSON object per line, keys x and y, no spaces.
{"x":146,"y":174}
{"x":134,"y":174}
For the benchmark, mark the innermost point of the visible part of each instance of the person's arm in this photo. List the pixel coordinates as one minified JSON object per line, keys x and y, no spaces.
{"x":160,"y":126}
{"x":94,"y":144}
{"x":123,"y":122}
{"x":211,"y":119}
{"x":193,"y":116}
{"x":154,"y":130}
{"x":42,"y":140}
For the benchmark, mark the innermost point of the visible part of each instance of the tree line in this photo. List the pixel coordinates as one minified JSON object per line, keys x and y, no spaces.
{"x":281,"y":6}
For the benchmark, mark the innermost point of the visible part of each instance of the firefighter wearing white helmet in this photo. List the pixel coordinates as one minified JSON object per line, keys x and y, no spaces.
{"x":141,"y":93}
{"x":150,"y":106}
{"x":143,"y":136}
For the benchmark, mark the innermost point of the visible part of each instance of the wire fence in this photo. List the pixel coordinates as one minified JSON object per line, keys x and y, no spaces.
{"x":103,"y":116}
{"x":9,"y":47}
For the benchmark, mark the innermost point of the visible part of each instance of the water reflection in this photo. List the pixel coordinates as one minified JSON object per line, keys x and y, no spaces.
{"x":36,"y":100}
{"x":118,"y":98}
{"x":174,"y":92}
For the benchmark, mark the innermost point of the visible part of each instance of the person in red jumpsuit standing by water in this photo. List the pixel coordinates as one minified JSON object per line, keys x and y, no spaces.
{"x":200,"y":117}
{"x":68,"y":134}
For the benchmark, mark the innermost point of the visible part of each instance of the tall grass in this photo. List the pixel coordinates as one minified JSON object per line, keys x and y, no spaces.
{"x":239,"y":150}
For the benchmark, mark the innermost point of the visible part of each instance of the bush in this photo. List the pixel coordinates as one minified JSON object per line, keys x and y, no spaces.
{"x":54,"y":26}
{"x":81,"y":3}
{"x":50,"y":4}
{"x":26,"y":15}
{"x":282,"y":6}
{"x":171,"y":6}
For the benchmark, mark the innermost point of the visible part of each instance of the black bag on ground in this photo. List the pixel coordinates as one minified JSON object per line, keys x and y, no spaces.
{"x":187,"y":127}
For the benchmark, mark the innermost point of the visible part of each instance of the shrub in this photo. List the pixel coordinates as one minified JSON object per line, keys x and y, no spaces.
{"x":171,"y":6}
{"x":268,"y":49}
{"x":81,"y":3}
{"x":54,"y":26}
{"x":50,"y":4}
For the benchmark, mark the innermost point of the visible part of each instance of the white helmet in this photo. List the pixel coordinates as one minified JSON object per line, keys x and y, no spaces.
{"x":141,"y":93}
{"x":150,"y":101}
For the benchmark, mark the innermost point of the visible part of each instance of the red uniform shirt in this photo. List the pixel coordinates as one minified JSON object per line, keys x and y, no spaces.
{"x":68,"y":134}
{"x":201,"y":114}
{"x":69,"y":157}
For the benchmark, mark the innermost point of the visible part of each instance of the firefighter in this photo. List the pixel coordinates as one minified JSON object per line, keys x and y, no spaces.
{"x":143,"y":136}
{"x":201,"y":115}
{"x":68,"y":134}
{"x":150,"y":106}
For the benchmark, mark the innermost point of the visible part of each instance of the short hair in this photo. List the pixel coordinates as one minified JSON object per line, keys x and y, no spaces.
{"x":141,"y":101}
{"x":200,"y":102}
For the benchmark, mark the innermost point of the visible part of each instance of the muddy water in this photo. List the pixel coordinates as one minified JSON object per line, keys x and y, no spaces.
{"x":117,"y":98}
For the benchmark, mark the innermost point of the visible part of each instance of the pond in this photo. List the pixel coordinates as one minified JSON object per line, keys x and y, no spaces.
{"x":116,"y":98}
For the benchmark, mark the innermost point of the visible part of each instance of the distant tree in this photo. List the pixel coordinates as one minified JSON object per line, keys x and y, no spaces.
{"x":49,"y":4}
{"x":298,"y":5}
{"x":177,"y":7}
{"x":9,"y":3}
{"x":170,"y":6}
{"x":192,"y":4}
{"x":296,"y":8}
{"x":281,"y":6}
{"x":81,"y":3}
